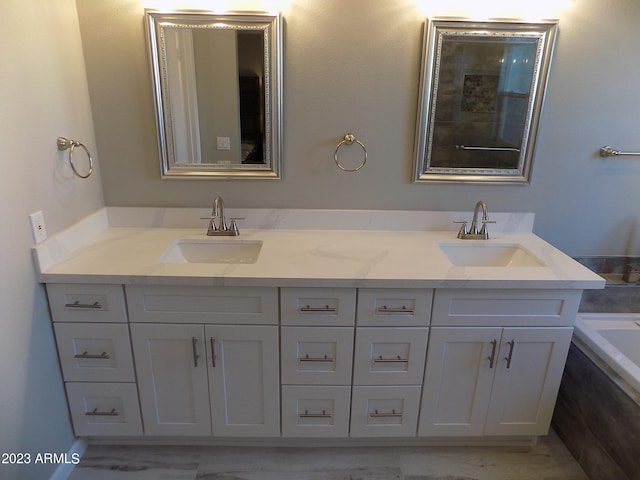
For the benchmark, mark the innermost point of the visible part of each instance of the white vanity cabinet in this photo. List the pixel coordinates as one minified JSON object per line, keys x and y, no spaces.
{"x":314,"y":362}
{"x":94,"y":350}
{"x":198,"y":375}
{"x":346,"y":376}
{"x":388,"y":371}
{"x":388,"y":366}
{"x":497,"y":370}
{"x":528,"y":372}
{"x":172,"y":378}
{"x":317,"y":328}
{"x":244,"y":382}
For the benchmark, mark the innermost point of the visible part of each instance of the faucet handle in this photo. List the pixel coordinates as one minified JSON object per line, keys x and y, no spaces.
{"x":234,"y":225}
{"x":483,"y":229}
{"x":463,"y":228}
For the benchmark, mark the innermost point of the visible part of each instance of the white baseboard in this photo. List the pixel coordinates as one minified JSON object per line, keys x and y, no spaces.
{"x":64,"y":469}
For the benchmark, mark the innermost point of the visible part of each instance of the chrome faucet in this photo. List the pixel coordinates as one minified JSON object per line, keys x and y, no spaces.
{"x":221,"y":228}
{"x":473,"y":233}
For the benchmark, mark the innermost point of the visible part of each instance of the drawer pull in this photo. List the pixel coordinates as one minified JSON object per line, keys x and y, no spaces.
{"x":492,"y":358}
{"x":398,"y":359}
{"x":508,"y":358}
{"x":306,"y":414}
{"x":213,"y":352}
{"x":77,"y":304}
{"x":310,"y":309}
{"x":96,"y":413}
{"x":307,"y":358}
{"x":85,"y":354}
{"x":392,"y":414}
{"x":395,"y":310}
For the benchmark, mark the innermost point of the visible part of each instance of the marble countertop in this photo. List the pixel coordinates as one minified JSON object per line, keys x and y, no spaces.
{"x":101,"y":250}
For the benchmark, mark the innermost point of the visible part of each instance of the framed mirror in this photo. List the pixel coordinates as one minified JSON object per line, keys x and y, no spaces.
{"x":217,"y":82}
{"x":481,"y":94}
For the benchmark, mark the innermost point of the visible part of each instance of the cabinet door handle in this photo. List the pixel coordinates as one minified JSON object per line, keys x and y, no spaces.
{"x":96,"y":413}
{"x":310,"y":309}
{"x":194,"y":345}
{"x":306,"y":414}
{"x":395,"y":310}
{"x":307,"y":358}
{"x":492,"y":358}
{"x":391,"y":414}
{"x":213,"y":352}
{"x":85,"y":354}
{"x":77,"y":304}
{"x":510,"y":356}
{"x":397,"y":359}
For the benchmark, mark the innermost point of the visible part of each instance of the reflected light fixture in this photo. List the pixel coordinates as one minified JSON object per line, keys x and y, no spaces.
{"x":271,"y":6}
{"x":511,"y":9}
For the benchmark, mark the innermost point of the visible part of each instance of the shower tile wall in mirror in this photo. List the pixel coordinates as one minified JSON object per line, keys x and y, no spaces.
{"x":481,"y":95}
{"x":217,"y":85}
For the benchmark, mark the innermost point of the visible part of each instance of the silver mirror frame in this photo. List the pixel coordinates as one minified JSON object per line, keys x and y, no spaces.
{"x":436,"y":30}
{"x":270,"y":25}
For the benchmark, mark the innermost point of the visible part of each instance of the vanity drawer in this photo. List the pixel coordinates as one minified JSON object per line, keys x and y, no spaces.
{"x":389,"y":356}
{"x":497,"y":307}
{"x":385,"y":411}
{"x":229,"y":305}
{"x":381,"y":307}
{"x":318,"y":306}
{"x":316,"y":355}
{"x":309,"y":411}
{"x":102,"y":409}
{"x":71,"y":302}
{"x":94,"y":352}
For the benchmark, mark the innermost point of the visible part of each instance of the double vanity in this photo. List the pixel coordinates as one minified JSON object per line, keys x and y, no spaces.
{"x":350,"y":332}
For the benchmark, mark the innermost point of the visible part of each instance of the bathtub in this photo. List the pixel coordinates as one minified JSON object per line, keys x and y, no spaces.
{"x":615,"y":338}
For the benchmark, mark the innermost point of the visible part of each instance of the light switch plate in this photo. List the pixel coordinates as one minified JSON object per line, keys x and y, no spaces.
{"x":223,"y":143}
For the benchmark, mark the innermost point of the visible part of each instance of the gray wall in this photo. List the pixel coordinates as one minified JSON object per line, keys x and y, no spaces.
{"x":43,"y":95}
{"x":354,"y":67}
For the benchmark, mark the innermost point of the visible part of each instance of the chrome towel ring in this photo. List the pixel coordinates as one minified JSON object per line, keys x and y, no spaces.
{"x":68,"y":144}
{"x":349,"y":138}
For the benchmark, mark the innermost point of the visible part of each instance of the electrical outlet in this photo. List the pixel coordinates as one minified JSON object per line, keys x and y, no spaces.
{"x":37,"y":224}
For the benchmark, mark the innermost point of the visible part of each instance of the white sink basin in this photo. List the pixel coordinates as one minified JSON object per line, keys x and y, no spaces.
{"x":212,"y":251}
{"x":489,"y":255}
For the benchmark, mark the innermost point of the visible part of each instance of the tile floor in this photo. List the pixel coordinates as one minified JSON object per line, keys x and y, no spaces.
{"x":548,"y":460}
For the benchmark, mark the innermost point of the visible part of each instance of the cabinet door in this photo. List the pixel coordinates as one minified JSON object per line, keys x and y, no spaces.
{"x":315,"y":411}
{"x":189,"y":304}
{"x":528,"y":374}
{"x":389,"y":356}
{"x":387,"y":411}
{"x":104,"y":409}
{"x":458,"y":377}
{"x":172,"y":378}
{"x":94,"y":352}
{"x":79,"y":302}
{"x":316,"y":355}
{"x":394,"y":307}
{"x":321,"y":307}
{"x":504,"y":307}
{"x":243,"y":380}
